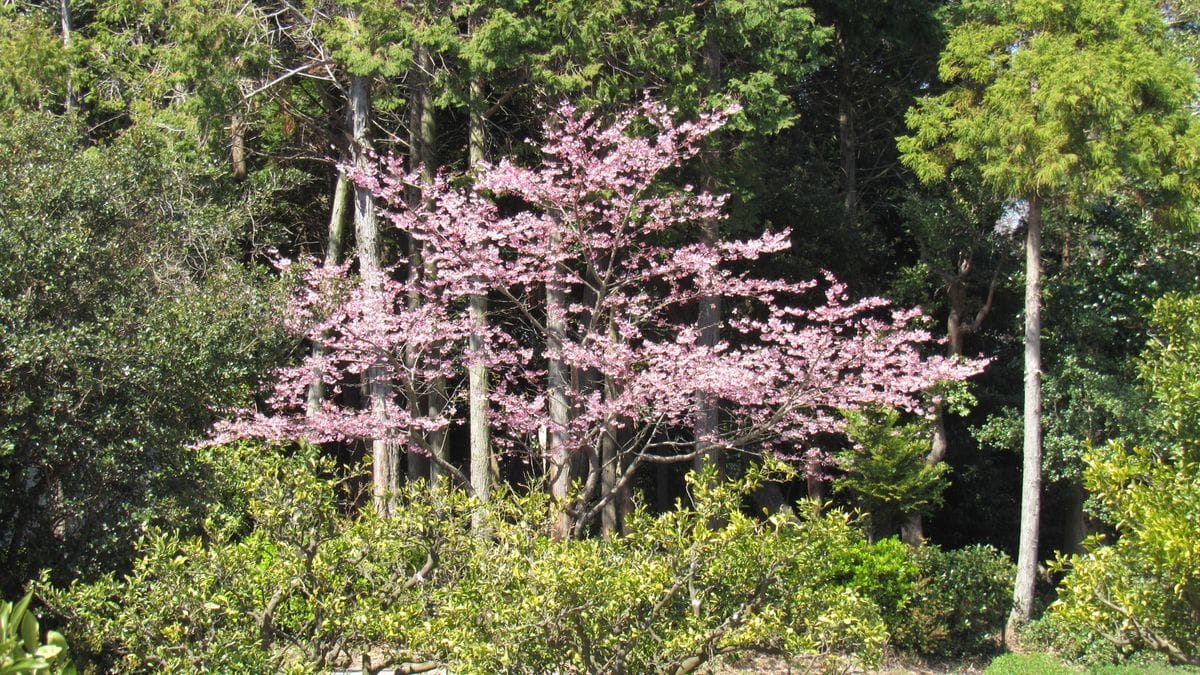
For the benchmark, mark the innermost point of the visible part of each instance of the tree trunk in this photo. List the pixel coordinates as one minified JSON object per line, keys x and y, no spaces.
{"x":558,"y":459}
{"x":385,"y":459}
{"x":1031,"y":473}
{"x":423,"y":147}
{"x":478,"y":426}
{"x":334,"y":248}
{"x":69,"y":99}
{"x":912,"y":528}
{"x":612,"y":516}
{"x":847,"y":141}
{"x":237,"y":143}
{"x":1075,"y":525}
{"x":709,"y":320}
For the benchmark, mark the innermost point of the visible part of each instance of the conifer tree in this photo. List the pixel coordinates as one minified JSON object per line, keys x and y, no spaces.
{"x":1058,"y":105}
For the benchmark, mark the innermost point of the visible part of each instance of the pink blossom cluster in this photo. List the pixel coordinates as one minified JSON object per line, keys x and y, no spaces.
{"x":596,"y":222}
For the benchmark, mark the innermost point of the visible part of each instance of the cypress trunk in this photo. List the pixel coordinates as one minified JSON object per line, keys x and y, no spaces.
{"x":1031,"y":473}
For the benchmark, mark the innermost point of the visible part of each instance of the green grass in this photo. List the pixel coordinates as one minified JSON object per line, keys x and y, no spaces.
{"x":1028,"y":664}
{"x":1048,"y":664}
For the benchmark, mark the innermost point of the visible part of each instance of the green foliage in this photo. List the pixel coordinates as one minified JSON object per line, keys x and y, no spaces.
{"x":1070,"y":641}
{"x":959,"y":602}
{"x":126,"y":319}
{"x":22,"y":649}
{"x":1143,"y":590}
{"x":294,"y":585}
{"x":1070,"y":101}
{"x":36,"y":66}
{"x":279,"y":573}
{"x":886,"y":470}
{"x":884,"y":571}
{"x":1170,"y":369}
{"x":1028,"y":664}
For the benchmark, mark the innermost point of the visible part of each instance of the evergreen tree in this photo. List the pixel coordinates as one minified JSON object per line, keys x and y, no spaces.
{"x":1058,"y":105}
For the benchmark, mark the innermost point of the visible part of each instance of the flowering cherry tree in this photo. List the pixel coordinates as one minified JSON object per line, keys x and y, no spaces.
{"x":593,"y":279}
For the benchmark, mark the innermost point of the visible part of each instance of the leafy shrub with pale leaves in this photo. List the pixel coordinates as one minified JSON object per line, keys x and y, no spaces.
{"x":286,"y":582}
{"x":1141,"y":590}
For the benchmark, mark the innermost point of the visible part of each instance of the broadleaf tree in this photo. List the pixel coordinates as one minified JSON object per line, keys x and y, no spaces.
{"x":585,"y":285}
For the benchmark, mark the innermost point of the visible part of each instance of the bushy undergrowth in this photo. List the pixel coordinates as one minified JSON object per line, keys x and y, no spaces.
{"x":959,"y":601}
{"x":1139,"y":590}
{"x":285,"y":582}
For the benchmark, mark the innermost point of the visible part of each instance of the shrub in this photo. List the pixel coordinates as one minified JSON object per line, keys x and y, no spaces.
{"x":1142,"y":591}
{"x":884,"y":572}
{"x":960,"y":600}
{"x":886,"y":472}
{"x":296,"y":585}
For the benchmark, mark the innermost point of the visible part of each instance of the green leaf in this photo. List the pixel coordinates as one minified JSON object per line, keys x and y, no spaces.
{"x":29,"y":632}
{"x":48,"y":651}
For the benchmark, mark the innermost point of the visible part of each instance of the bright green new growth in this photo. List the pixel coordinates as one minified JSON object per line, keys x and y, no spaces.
{"x":1143,"y":591}
{"x":22,"y":649}
{"x":886,"y":471}
{"x":1068,"y":100}
{"x":282,"y":581}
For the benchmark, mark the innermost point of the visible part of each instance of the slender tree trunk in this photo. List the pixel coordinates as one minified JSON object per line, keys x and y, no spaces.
{"x":478,"y":426}
{"x":423,"y":145}
{"x":1075,"y":525}
{"x":912,"y":526}
{"x":612,"y":516}
{"x":385,"y":455}
{"x":237,"y":143}
{"x":709,"y":320}
{"x":847,"y":142}
{"x":558,"y":459}
{"x":1031,"y":474}
{"x":69,"y":99}
{"x":334,"y":250}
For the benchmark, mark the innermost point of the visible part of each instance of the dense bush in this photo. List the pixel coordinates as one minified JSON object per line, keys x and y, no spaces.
{"x":960,"y":600}
{"x":126,"y":319}
{"x":1142,"y":591}
{"x":281,"y":580}
{"x":884,"y":572}
{"x":294,"y":585}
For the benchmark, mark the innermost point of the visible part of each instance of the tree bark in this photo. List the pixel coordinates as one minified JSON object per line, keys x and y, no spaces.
{"x":1031,"y":473}
{"x":423,"y":154}
{"x":334,"y":249}
{"x":1075,"y":525}
{"x":558,"y":459}
{"x":385,"y":456}
{"x":612,"y":516}
{"x":237,"y":144}
{"x":709,"y":320}
{"x":69,"y":99}
{"x":478,"y":427}
{"x":912,"y":528}
{"x":847,"y":140}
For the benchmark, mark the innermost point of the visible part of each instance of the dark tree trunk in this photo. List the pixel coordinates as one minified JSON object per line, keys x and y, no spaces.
{"x":709,"y":320}
{"x":334,"y":250}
